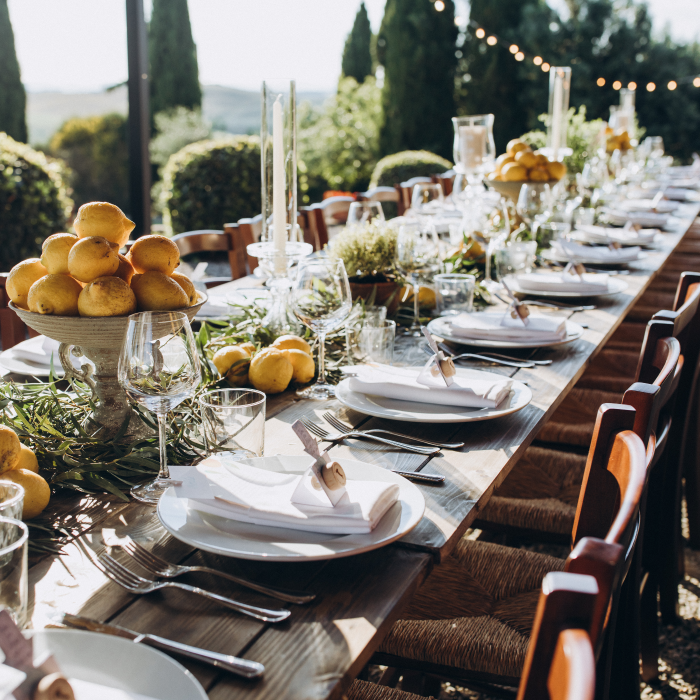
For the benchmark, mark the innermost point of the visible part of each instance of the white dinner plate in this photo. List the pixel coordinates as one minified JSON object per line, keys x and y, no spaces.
{"x":20,"y":365}
{"x":615,"y":286}
{"x":231,"y":538}
{"x":441,"y":327}
{"x":415,"y":412}
{"x":551,"y":254}
{"x":646,"y":242}
{"x":117,"y":663}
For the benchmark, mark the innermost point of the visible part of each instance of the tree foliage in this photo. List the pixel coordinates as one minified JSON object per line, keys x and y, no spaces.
{"x":357,"y":55}
{"x":399,"y":167}
{"x":13,"y":99}
{"x":174,"y":74}
{"x":416,"y":46}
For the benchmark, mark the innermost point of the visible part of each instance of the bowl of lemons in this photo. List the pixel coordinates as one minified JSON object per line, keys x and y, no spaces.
{"x":82,"y":290}
{"x":520,"y":165}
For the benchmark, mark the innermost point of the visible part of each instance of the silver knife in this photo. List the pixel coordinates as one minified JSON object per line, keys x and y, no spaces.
{"x":241,"y":667}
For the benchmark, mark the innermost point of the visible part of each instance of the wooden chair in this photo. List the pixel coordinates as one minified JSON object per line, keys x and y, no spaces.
{"x":404,"y":192}
{"x":445,"y":179}
{"x":12,"y":328}
{"x":208,"y":241}
{"x":471,"y":620}
{"x":323,"y":215}
{"x":243,"y":233}
{"x":379,"y":194}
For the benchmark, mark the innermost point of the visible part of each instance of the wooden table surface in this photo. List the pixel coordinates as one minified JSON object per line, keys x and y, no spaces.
{"x":323,"y":646}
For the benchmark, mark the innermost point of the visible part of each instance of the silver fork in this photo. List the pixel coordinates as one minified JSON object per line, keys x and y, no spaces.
{"x":520,"y":364}
{"x":325,"y":435}
{"x":492,"y":355}
{"x":138,"y":585}
{"x":160,"y":567}
{"x":562,"y":307}
{"x":343,"y":427}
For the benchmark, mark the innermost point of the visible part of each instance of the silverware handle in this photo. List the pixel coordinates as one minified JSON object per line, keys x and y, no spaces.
{"x":393,"y":443}
{"x":417,"y":476}
{"x":446,"y":445}
{"x":289,"y":597}
{"x":251,"y":610}
{"x":508,"y":363}
{"x":241,"y":667}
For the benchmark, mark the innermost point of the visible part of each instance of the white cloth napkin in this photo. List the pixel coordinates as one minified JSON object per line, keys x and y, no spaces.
{"x":567,"y":250}
{"x":249,"y":494}
{"x":403,"y":383}
{"x":562,"y":282}
{"x":84,"y":690}
{"x":38,"y":350}
{"x":645,"y":205}
{"x":606,"y":234}
{"x":499,"y":325}
{"x":647,"y":219}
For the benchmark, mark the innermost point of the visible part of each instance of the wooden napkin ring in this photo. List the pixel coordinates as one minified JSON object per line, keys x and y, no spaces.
{"x":55,"y":686}
{"x":448,"y":367}
{"x":520,"y":310}
{"x":579,"y":268}
{"x":333,"y":476}
{"x":614,"y":245}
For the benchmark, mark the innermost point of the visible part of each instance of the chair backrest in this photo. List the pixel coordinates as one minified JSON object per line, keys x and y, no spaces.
{"x":208,"y":241}
{"x":560,"y":664}
{"x":445,"y":179}
{"x":404,"y":191}
{"x":379,"y":194}
{"x":244,"y":232}
{"x":330,"y":212}
{"x":12,"y":328}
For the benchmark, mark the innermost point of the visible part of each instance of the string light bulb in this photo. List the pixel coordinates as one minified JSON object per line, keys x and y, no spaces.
{"x":492,"y":41}
{"x":546,"y":67}
{"x":696,"y":81}
{"x":514,"y":48}
{"x":600,"y":82}
{"x":480,"y":33}
{"x":632,"y":86}
{"x":537,"y":60}
{"x":651,"y":87}
{"x":520,"y":56}
{"x":617,"y":85}
{"x":439,"y":5}
{"x":672,"y":85}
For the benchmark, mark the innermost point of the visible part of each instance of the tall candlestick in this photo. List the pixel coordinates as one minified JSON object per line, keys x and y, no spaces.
{"x":556,"y":120}
{"x":279,"y":204}
{"x":559,"y":85}
{"x":472,"y":146}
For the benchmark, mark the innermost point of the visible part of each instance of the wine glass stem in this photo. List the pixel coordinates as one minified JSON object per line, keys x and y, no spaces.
{"x":487,"y":268}
{"x":416,"y":304}
{"x":321,"y":357}
{"x":162,"y":439}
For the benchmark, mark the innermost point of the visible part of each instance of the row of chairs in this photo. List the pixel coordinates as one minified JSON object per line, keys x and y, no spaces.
{"x":472,"y":621}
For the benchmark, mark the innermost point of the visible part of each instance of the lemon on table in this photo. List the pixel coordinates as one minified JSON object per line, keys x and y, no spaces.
{"x":515,"y":145}
{"x":10,"y":448}
{"x":105,"y":220}
{"x":186,"y":283}
{"x":270,"y":371}
{"x":156,"y":291}
{"x":54,"y":252}
{"x":303,"y":365}
{"x":91,"y":258}
{"x":125,"y":271}
{"x":292,"y":342}
{"x":250,"y":348}
{"x":27,"y":460}
{"x":514,"y":172}
{"x":155,"y":253}
{"x":36,"y":491}
{"x":22,"y":276}
{"x":107,"y":296}
{"x":526,"y":158}
{"x":556,"y":170}
{"x":56,"y":295}
{"x":233,"y":362}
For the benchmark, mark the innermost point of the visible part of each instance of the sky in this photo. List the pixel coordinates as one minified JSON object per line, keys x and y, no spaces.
{"x":80,"y":45}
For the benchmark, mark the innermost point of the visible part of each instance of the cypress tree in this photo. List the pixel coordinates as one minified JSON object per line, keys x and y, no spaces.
{"x":173,"y":57}
{"x":13,"y":99}
{"x":357,"y":55}
{"x":416,"y":46}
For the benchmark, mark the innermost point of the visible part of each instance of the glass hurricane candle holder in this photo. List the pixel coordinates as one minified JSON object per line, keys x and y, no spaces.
{"x":474,"y":147}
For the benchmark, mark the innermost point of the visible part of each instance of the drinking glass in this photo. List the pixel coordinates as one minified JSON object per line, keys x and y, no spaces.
{"x":515,"y":257}
{"x":11,"y":500}
{"x":534,"y":203}
{"x":491,"y":227}
{"x":417,"y":257}
{"x":427,"y":199}
{"x":159,"y":369}
{"x":454,"y":293}
{"x":14,"y":588}
{"x":549,"y":231}
{"x":371,"y":343}
{"x":365,"y":213}
{"x":233,"y":421}
{"x":375,"y":316}
{"x":320,"y":297}
{"x":474,"y":150}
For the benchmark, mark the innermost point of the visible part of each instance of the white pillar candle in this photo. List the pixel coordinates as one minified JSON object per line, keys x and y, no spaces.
{"x":279,"y":204}
{"x":557,"y":116}
{"x":472,"y":147}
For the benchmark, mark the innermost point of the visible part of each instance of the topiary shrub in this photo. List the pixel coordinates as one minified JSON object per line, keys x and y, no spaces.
{"x":34,"y":201}
{"x":210,"y":183}
{"x":402,"y":166}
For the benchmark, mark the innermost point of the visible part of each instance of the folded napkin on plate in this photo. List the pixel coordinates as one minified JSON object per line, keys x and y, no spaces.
{"x":664,"y":206}
{"x":647,"y":219}
{"x":606,"y":234}
{"x":562,"y":282}
{"x":567,"y":250}
{"x":231,"y":489}
{"x":499,"y":325}
{"x":38,"y":350}
{"x":84,"y":690}
{"x":404,"y":384}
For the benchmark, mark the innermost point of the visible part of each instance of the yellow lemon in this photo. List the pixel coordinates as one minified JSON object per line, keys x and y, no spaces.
{"x":232,"y":362}
{"x":303,"y":365}
{"x":27,"y":460}
{"x":91,"y":258}
{"x":503,"y":159}
{"x":10,"y":448}
{"x":250,"y":348}
{"x":125,"y":271}
{"x":56,"y":295}
{"x":538,"y":175}
{"x":516,"y":145}
{"x":105,"y":220}
{"x":36,"y":491}
{"x":556,"y":170}
{"x":526,"y":158}
{"x":156,"y":253}
{"x":514,"y":172}
{"x":292,"y":342}
{"x":107,"y":296}
{"x":270,"y":371}
{"x":186,"y":283}
{"x":22,"y":276}
{"x":54,"y":252}
{"x":157,"y":292}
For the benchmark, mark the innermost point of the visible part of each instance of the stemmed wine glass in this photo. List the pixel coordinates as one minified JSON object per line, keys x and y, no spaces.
{"x":365,"y":213}
{"x":534,"y":204}
{"x":159,"y":369}
{"x":417,"y":256}
{"x":427,"y":199}
{"x":321,"y":300}
{"x":490,"y":226}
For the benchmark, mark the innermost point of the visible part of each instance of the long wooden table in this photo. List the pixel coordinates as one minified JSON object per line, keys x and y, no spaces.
{"x":324,"y":645}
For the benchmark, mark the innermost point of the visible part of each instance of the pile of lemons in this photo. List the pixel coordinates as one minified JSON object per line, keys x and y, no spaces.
{"x":521,"y":164}
{"x":617,"y":142}
{"x":86,"y":275}
{"x":271,"y":369}
{"x":19,"y":465}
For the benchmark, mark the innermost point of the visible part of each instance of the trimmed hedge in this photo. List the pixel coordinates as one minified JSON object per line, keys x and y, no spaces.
{"x":209,"y":183}
{"x":402,"y":166}
{"x":34,"y":201}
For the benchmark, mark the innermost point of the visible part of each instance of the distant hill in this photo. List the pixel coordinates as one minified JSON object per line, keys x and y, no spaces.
{"x":229,"y":109}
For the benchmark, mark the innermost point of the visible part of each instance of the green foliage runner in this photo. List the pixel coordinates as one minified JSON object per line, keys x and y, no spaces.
{"x":13,"y":99}
{"x":357,"y":55}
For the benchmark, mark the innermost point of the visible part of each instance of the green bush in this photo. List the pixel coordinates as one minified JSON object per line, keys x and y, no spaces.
{"x":34,"y":201}
{"x":97,"y":152}
{"x":402,"y":166}
{"x":210,"y":183}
